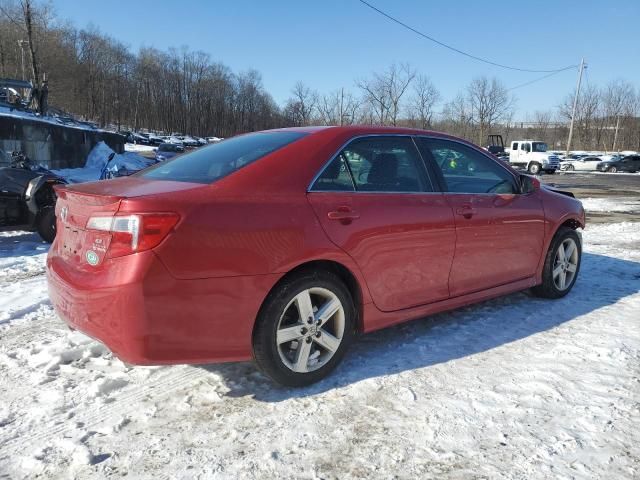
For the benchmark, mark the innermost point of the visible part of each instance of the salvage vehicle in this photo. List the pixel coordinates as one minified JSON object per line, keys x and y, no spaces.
{"x":630,"y":163}
{"x":582,"y":164}
{"x":496,"y":146}
{"x":533,"y":157}
{"x":166,"y":151}
{"x":282,"y":245}
{"x":27,"y":197}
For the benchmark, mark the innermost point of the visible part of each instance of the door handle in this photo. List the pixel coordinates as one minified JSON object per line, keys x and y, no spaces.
{"x":467,"y":211}
{"x":343,"y":214}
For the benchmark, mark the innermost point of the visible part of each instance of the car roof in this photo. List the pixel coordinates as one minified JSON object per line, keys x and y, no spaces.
{"x":361,"y":130}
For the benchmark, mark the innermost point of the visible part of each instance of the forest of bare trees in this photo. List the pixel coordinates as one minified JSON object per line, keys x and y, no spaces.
{"x":97,"y":78}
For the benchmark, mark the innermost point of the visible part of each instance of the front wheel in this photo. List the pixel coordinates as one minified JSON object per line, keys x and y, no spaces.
{"x":612,"y":169}
{"x":534,"y":168}
{"x":570,"y":168}
{"x":304,"y":328}
{"x":46,"y":223}
{"x":561,"y":265}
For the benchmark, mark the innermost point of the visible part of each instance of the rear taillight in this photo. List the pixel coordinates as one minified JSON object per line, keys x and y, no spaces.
{"x":133,"y":233}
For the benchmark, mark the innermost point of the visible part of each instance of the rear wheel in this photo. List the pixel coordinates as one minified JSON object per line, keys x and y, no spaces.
{"x":561,"y":265}
{"x":46,"y":223}
{"x":534,"y":168}
{"x":304,"y":328}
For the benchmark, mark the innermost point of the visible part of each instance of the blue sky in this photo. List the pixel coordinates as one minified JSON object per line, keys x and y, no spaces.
{"x":328,"y":44}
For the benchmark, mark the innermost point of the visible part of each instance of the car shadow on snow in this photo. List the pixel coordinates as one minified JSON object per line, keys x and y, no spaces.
{"x":603,"y":281}
{"x":22,"y":244}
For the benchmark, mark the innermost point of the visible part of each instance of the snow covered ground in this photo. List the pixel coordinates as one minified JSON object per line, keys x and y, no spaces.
{"x":517,"y":387}
{"x":133,"y":147}
{"x":617,"y":204}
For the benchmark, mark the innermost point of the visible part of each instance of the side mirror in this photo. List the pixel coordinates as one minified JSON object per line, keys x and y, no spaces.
{"x":529,"y":184}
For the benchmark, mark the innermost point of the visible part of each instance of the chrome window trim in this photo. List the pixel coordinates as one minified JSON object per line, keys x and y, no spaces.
{"x":377,"y":192}
{"x":355,"y":190}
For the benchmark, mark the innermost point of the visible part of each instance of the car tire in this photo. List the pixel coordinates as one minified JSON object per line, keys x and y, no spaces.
{"x":292,"y":350}
{"x":559,"y":273}
{"x":534,"y":168}
{"x":570,"y":168}
{"x":612,"y":169}
{"x":46,"y":223}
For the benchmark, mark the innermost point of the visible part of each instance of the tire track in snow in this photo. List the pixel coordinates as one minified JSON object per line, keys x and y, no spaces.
{"x":122,"y":405}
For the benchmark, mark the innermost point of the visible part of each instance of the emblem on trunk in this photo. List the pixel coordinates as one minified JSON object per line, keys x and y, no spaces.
{"x":92,"y":258}
{"x":63,"y":214}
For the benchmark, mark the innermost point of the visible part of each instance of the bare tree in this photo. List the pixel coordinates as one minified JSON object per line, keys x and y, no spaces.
{"x":542,"y":120}
{"x":301,"y":106}
{"x":489,"y":102}
{"x":617,"y":97}
{"x":425,"y":97}
{"x":457,"y":117}
{"x":338,"y":108}
{"x":398,"y":80}
{"x":376,"y":95}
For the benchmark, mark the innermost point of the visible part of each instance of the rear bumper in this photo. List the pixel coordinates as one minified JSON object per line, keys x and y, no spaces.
{"x":150,"y":318}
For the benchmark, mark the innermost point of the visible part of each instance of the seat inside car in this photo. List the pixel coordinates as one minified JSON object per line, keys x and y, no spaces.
{"x":383,"y":175}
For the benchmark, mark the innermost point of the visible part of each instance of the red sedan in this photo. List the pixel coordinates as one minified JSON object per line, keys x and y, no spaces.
{"x":282,"y":245}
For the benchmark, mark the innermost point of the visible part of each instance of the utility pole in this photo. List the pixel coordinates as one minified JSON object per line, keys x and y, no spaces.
{"x":575,"y":104}
{"x":615,"y":135}
{"x":21,"y":44}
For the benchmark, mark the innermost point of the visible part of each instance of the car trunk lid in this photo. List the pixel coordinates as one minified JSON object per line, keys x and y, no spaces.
{"x":87,"y":248}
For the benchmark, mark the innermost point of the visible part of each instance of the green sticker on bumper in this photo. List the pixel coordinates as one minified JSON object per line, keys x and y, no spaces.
{"x":92,"y":258}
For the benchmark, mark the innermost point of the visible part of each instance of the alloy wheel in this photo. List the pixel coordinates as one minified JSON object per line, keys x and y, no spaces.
{"x":565,"y":264}
{"x":310,"y":330}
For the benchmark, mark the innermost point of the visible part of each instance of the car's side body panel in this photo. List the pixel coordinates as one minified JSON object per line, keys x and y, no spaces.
{"x":403,"y":243}
{"x":500,"y":243}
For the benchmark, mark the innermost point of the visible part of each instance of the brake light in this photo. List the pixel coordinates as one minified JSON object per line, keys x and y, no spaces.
{"x":133,"y":233}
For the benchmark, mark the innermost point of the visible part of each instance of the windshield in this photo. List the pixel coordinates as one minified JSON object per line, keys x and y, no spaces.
{"x":539,"y":146}
{"x":208,"y":164}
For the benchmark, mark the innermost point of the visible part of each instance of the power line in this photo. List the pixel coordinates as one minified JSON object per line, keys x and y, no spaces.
{"x":480,"y":59}
{"x":541,"y":78}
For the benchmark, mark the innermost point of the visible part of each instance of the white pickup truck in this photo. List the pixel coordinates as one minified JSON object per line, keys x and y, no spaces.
{"x":533,"y":156}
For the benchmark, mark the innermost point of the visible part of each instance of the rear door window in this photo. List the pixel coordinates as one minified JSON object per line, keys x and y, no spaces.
{"x":208,"y":164}
{"x":386,"y":164}
{"x":376,"y":164}
{"x":335,"y":177}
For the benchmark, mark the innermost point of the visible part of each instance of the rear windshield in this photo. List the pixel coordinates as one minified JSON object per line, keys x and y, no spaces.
{"x":208,"y":164}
